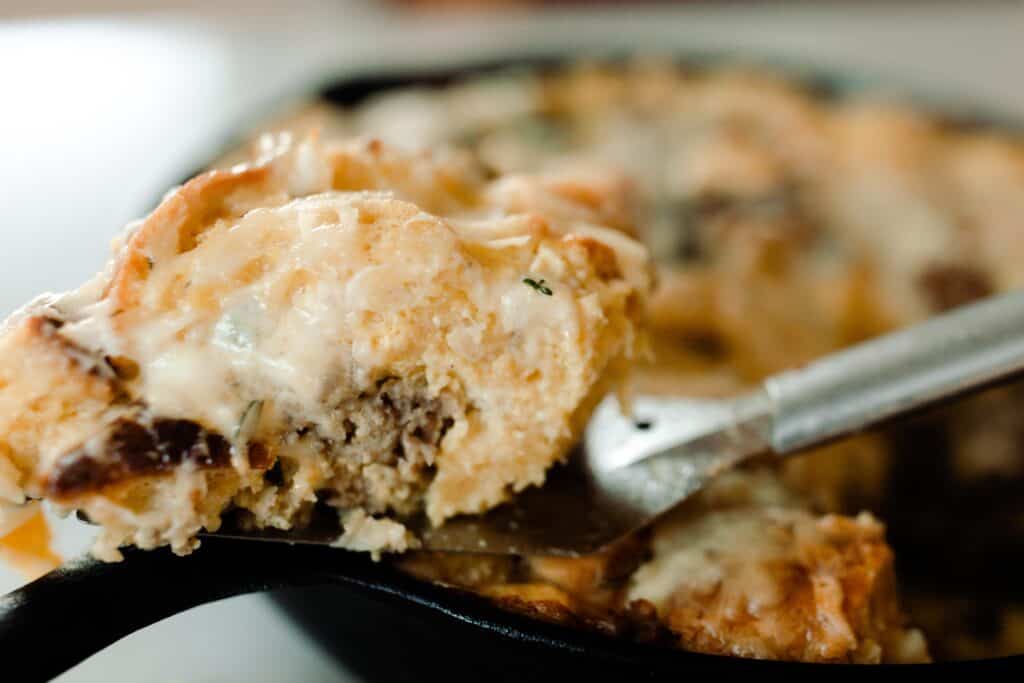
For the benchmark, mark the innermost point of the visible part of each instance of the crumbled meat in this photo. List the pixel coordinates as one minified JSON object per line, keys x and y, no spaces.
{"x":383,"y":456}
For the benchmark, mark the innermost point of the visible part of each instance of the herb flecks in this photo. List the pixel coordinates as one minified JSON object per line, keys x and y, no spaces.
{"x":538,"y":285}
{"x":247,"y":423}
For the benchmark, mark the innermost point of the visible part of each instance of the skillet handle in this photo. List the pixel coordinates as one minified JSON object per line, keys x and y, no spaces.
{"x":60,"y":619}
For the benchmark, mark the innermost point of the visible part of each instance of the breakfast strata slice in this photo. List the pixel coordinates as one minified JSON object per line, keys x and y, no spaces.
{"x":743,"y":569}
{"x":390,"y":333}
{"x":748,"y":571}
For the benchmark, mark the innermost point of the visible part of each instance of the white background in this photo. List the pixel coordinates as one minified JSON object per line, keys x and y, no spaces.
{"x":101,"y":112}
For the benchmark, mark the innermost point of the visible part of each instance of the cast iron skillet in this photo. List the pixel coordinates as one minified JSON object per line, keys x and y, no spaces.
{"x":383,"y":624}
{"x":390,"y":641}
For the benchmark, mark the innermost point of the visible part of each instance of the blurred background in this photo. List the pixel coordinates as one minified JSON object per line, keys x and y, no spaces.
{"x":107,"y":104}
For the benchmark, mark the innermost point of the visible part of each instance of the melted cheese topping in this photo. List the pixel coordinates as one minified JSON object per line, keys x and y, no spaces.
{"x":730,"y":550}
{"x":407,"y":286}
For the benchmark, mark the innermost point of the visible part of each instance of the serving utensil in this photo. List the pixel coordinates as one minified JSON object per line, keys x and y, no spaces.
{"x":629,"y":470}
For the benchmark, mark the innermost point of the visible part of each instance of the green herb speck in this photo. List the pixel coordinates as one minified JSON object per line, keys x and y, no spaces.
{"x":538,"y":285}
{"x":250,"y":417}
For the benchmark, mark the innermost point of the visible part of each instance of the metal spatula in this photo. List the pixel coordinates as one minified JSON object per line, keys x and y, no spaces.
{"x":630,"y":470}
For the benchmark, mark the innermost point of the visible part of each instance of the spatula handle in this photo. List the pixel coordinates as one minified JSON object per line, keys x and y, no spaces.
{"x":857,"y":388}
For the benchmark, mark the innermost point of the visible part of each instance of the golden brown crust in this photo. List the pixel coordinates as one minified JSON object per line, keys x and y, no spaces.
{"x":175,"y":227}
{"x":453,"y":184}
{"x":600,"y":256}
{"x":48,"y":390}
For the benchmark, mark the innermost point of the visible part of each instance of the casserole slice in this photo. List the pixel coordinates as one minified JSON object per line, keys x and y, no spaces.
{"x":394,"y":334}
